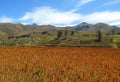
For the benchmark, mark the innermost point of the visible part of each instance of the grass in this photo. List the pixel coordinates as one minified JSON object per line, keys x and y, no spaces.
{"x":59,"y":64}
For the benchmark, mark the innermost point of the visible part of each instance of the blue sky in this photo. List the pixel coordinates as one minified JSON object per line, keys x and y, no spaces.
{"x":60,"y":12}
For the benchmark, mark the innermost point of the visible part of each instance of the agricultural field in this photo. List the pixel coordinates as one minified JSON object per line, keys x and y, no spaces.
{"x":59,"y":64}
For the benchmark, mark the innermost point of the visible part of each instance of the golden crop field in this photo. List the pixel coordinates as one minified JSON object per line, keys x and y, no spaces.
{"x":59,"y":64}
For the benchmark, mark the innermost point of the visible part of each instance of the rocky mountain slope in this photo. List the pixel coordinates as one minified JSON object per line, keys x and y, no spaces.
{"x":83,"y":34}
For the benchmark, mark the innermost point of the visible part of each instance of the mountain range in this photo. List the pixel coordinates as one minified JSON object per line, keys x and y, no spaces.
{"x":19,"y":33}
{"x":10,"y":28}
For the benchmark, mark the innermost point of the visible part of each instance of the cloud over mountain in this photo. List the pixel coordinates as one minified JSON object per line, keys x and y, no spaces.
{"x":6,"y":20}
{"x":48,"y":15}
{"x":112,"y":18}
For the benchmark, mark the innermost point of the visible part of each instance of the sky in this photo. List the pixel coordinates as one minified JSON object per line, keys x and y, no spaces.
{"x":60,"y":12}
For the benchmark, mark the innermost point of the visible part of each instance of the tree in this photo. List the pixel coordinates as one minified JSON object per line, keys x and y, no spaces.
{"x":99,"y":34}
{"x":72,"y":33}
{"x":59,"y":34}
{"x":66,"y":32}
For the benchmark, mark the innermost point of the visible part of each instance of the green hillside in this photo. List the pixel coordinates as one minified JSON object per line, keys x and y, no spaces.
{"x":83,"y":35}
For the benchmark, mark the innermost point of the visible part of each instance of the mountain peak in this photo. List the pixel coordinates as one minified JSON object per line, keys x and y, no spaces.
{"x":82,"y":26}
{"x":84,"y":23}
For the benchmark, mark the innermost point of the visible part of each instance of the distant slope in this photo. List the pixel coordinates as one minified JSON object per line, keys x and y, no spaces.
{"x":99,"y":26}
{"x":83,"y":34}
{"x":12,"y":29}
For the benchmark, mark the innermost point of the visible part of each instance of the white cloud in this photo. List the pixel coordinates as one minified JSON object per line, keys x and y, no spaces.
{"x":48,"y":15}
{"x":112,"y":18}
{"x":113,"y":2}
{"x":6,"y":20}
{"x":83,"y":2}
{"x":115,"y":23}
